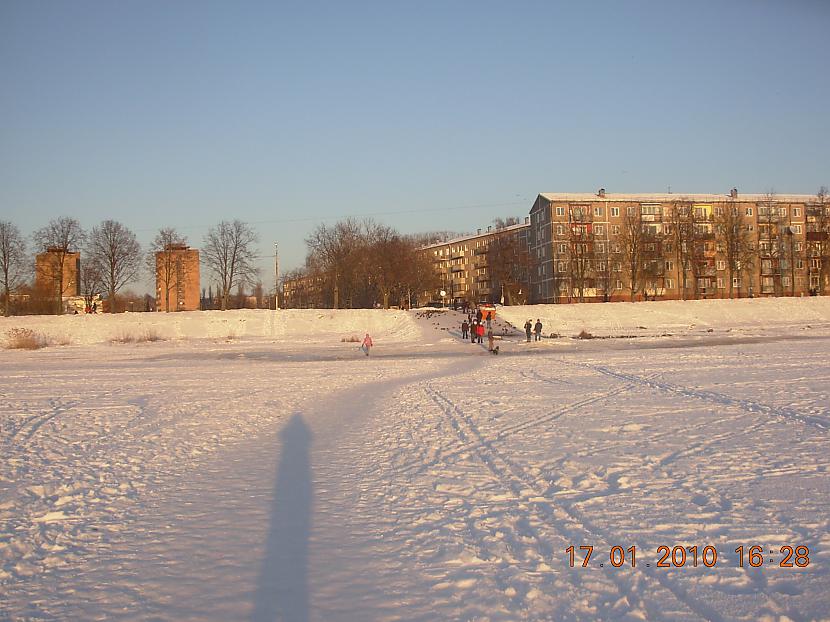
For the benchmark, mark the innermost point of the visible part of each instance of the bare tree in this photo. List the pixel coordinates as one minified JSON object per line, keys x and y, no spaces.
{"x":632,"y":242}
{"x":509,"y":263}
{"x":771,"y":246}
{"x":338,"y":251}
{"x":12,"y":260}
{"x":116,"y":253}
{"x":162,"y":262}
{"x":61,"y":238}
{"x":229,"y":251}
{"x":734,"y":244}
{"x":92,"y":281}
{"x":818,"y":243}
{"x":681,"y":222}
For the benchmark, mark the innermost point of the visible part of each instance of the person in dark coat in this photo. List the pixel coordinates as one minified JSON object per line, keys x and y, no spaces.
{"x":538,"y":329}
{"x":473,"y":328}
{"x":528,"y":328}
{"x":479,"y":315}
{"x":465,"y":329}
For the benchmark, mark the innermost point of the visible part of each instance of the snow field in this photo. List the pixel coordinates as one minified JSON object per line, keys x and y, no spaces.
{"x":289,"y":477}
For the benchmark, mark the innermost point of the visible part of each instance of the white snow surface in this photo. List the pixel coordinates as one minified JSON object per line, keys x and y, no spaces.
{"x":254,"y":466}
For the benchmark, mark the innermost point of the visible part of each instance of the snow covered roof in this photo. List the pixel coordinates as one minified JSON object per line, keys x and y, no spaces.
{"x":473,"y":236}
{"x":676,"y":196}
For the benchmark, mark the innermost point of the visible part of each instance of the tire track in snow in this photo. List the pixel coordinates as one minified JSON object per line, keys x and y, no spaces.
{"x":501,"y":469}
{"x":563,"y":410}
{"x":578,"y":528}
{"x":820,"y":423}
{"x":26,"y":430}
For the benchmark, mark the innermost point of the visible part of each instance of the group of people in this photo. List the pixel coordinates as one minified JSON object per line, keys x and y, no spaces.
{"x":536,"y":328}
{"x":476,"y":327}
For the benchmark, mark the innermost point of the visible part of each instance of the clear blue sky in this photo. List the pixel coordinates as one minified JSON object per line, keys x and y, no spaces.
{"x":289,"y":114}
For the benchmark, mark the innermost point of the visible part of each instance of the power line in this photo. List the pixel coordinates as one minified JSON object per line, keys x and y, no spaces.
{"x":364,"y":215}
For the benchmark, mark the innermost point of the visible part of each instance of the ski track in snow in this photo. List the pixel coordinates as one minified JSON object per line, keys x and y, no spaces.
{"x":138,"y":482}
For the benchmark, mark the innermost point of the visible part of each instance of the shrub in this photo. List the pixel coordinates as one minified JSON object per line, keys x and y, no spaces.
{"x":351,"y":339}
{"x":148,"y":334}
{"x":584,"y":334}
{"x":25,"y":339}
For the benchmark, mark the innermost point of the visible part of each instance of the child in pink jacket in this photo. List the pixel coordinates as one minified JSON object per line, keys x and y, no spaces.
{"x":367,"y":344}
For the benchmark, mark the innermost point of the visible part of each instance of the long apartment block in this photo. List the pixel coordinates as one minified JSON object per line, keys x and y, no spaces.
{"x":603,"y":246}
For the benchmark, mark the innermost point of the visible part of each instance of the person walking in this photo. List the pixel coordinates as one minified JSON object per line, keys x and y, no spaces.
{"x":489,"y":319}
{"x":538,"y":329}
{"x":367,"y":344}
{"x":479,"y":315}
{"x":480,"y":333}
{"x":473,"y":329}
{"x":465,"y":329}
{"x":528,"y":328}
{"x":490,"y":340}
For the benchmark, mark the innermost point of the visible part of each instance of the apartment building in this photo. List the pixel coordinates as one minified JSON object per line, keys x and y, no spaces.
{"x":177,"y":278}
{"x":58,"y":265}
{"x":303,"y":292}
{"x":484,"y":267}
{"x":603,"y":247}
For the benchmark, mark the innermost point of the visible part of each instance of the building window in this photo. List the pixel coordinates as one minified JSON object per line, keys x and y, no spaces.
{"x":599,"y":211}
{"x":796,"y":229}
{"x":601,"y":247}
{"x":669,"y":265}
{"x":599,"y":229}
{"x":560,"y":210}
{"x":782,"y":211}
{"x":615,"y":229}
{"x":786,"y":281}
{"x":560,"y":230}
{"x":563,"y":248}
{"x":721,"y":264}
{"x":749,"y":211}
{"x":720,"y":282}
{"x":669,"y":284}
{"x":615,"y":211}
{"x":561,"y":266}
{"x":718,"y":211}
{"x":796,"y":212}
{"x":618,"y":285}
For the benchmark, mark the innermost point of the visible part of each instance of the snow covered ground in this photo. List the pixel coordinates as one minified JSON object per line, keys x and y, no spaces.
{"x":255,"y":466}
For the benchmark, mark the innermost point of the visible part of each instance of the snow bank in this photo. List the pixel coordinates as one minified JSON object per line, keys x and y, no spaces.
{"x":294,"y":325}
{"x":638,"y":318}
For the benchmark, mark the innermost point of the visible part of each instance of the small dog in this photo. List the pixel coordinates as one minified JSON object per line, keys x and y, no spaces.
{"x":494,"y":350}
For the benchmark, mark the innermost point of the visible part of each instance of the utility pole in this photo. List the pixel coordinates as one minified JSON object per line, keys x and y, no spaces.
{"x":276,"y":276}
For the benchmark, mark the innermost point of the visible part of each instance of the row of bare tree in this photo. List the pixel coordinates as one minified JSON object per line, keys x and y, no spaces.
{"x":360,"y":263}
{"x":111,"y":257}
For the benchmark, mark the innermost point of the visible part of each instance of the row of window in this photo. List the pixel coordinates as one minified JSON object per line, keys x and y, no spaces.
{"x":701,"y":211}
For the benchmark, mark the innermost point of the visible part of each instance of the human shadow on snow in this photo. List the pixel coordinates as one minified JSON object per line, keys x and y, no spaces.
{"x":282,"y":588}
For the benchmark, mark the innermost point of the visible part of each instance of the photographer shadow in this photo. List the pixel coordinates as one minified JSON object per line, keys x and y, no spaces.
{"x":282,"y":590}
